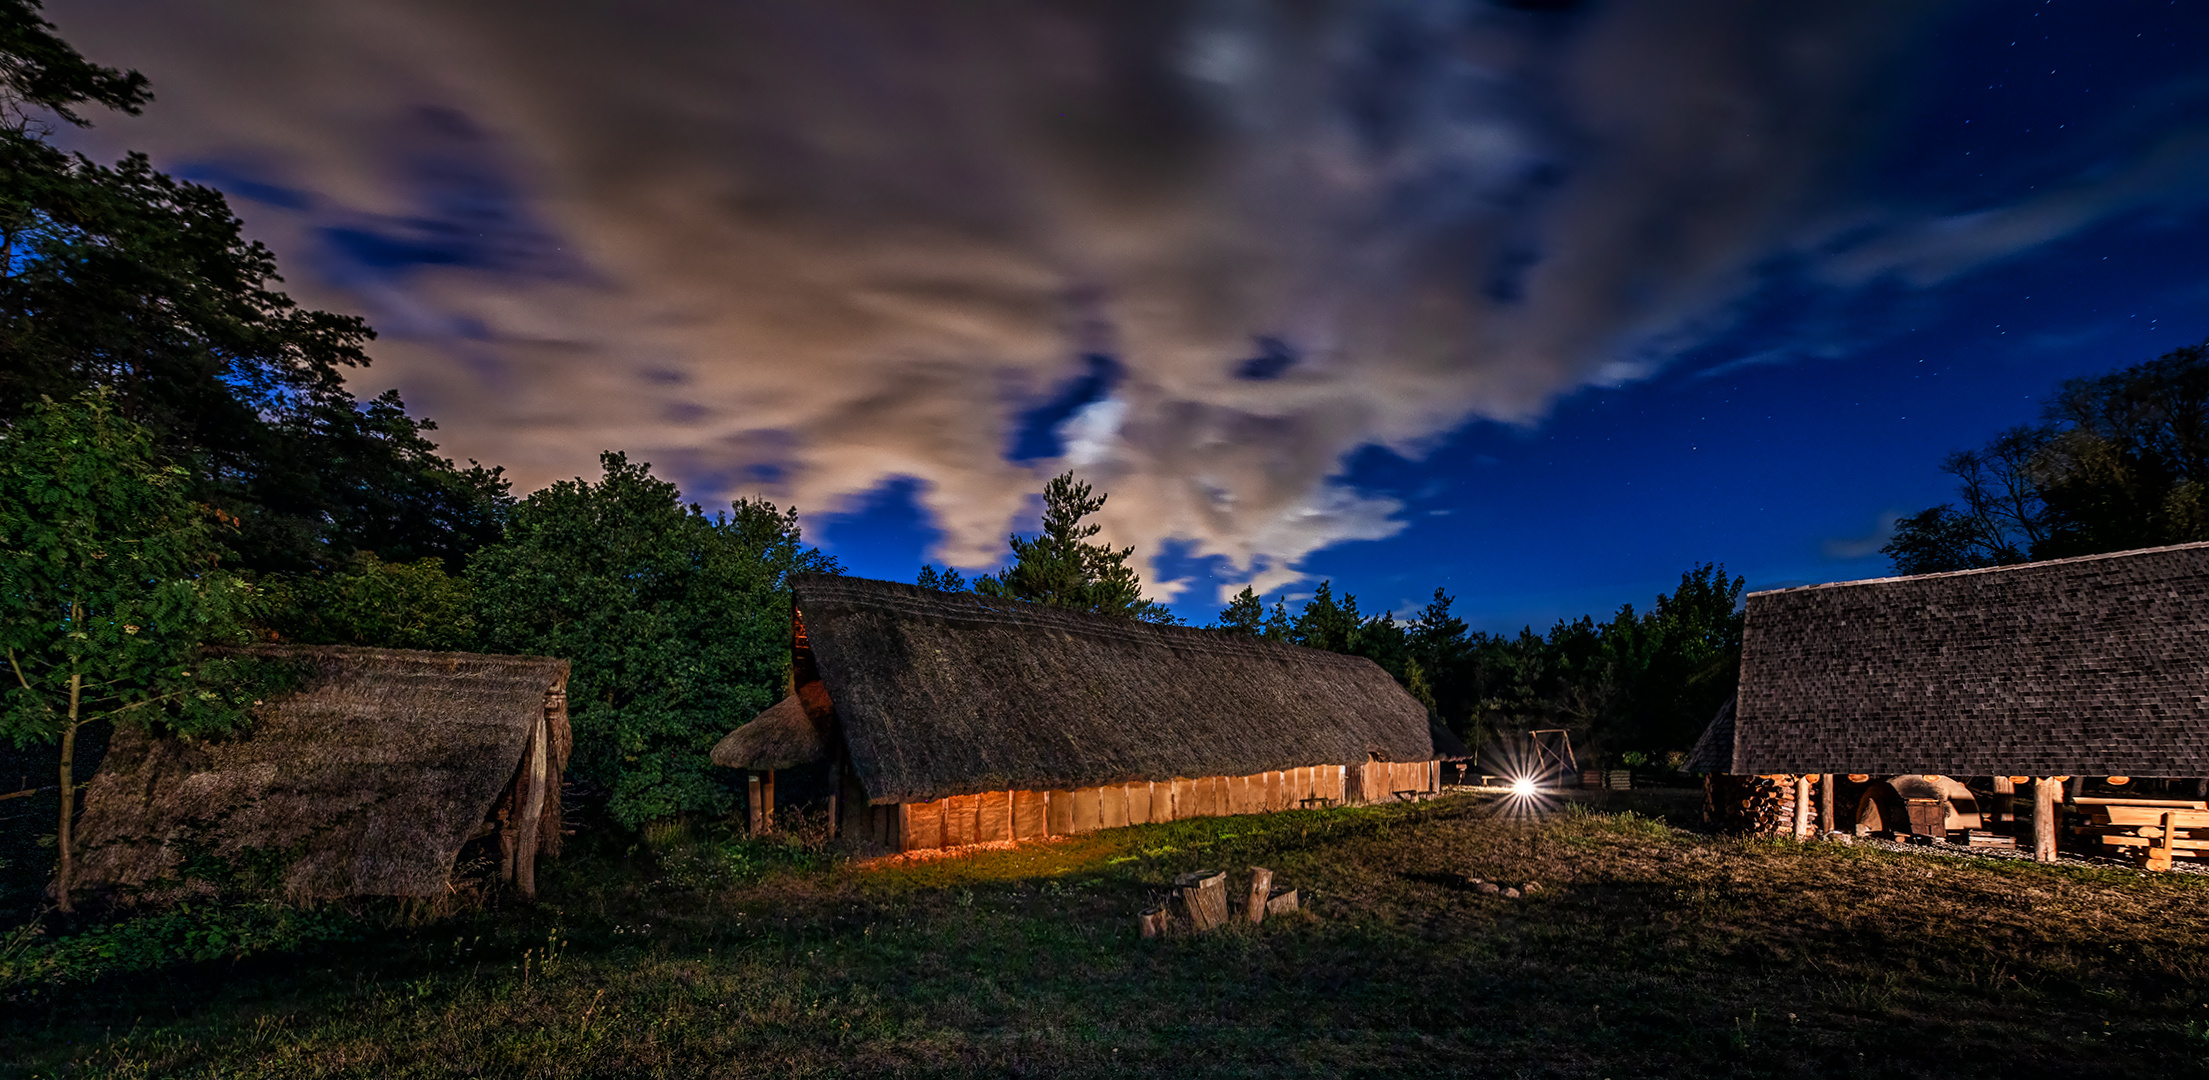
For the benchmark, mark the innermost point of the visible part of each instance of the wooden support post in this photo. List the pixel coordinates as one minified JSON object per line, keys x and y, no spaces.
{"x":1204,"y":898}
{"x":2047,"y":792}
{"x":1828,"y":820}
{"x":751,"y":802}
{"x":767,"y":801}
{"x":1802,"y":807}
{"x":1261,"y":887}
{"x":532,"y":810}
{"x":2005,"y":800}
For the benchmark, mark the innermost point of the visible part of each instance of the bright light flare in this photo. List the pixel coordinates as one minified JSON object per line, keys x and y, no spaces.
{"x":1523,"y":787}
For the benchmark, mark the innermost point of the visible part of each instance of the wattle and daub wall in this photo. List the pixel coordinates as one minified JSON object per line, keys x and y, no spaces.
{"x":2094,"y":666}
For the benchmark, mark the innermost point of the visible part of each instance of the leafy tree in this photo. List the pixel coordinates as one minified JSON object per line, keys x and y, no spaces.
{"x":946,"y":580}
{"x":2128,"y":466}
{"x":125,"y":278}
{"x":410,"y":605}
{"x":676,"y":624}
{"x":2002,"y":517}
{"x":108,"y":573}
{"x":1062,"y":567}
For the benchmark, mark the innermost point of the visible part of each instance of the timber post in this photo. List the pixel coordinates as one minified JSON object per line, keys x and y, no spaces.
{"x":1828,"y":821}
{"x":1802,"y":807}
{"x":2047,"y":795}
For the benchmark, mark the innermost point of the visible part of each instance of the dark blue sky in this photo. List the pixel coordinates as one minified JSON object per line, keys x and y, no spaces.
{"x":1784,"y":447}
{"x":1542,"y":304}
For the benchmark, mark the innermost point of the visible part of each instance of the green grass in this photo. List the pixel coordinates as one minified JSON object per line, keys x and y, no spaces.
{"x":1649,"y":953}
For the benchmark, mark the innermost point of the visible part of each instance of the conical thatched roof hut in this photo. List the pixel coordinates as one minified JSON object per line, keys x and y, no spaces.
{"x":367,"y":779}
{"x":982,"y":712}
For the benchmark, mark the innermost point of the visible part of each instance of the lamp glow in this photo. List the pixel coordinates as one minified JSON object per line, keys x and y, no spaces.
{"x":1523,"y":786}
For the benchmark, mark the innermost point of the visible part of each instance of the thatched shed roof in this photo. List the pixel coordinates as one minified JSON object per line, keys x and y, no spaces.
{"x":1713,"y":753}
{"x":366,"y":780}
{"x":798,"y":730}
{"x":2091,"y":666}
{"x":951,"y":693}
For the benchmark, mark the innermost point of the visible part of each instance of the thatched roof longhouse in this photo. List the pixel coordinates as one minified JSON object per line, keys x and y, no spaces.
{"x":939,"y":694}
{"x":367,"y":780}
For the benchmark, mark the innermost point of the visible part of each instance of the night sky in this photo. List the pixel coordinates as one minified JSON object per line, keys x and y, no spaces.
{"x":1541,"y":302}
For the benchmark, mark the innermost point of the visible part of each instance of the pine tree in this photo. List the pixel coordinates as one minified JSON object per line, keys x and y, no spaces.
{"x":1061,"y":567}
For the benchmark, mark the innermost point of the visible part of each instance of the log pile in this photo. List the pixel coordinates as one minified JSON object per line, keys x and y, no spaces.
{"x":1756,"y":805}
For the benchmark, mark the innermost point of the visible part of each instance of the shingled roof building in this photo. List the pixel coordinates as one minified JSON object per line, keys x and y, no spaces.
{"x":2092,"y":666}
{"x":949,"y":719}
{"x":366,"y":780}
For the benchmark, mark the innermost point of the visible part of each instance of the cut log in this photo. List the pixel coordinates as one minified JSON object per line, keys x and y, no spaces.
{"x":1828,"y":819}
{"x":1261,"y":887}
{"x":1281,"y":902}
{"x":1153,"y":921}
{"x":1204,"y":899}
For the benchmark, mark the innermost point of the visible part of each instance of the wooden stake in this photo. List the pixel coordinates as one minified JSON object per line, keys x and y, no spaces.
{"x":2047,"y":791}
{"x":1802,"y":807}
{"x":1261,"y":887}
{"x":1828,"y":821}
{"x":1204,"y":898}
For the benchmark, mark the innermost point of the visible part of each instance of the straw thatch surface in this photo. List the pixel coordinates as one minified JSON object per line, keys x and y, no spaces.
{"x":2089,"y":666}
{"x":952,"y":694}
{"x":364,"y":781}
{"x":798,"y":730}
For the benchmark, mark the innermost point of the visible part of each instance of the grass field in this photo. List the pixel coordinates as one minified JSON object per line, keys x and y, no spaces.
{"x":1650,"y":952}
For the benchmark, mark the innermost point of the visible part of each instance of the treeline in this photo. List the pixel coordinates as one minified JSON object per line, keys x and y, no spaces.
{"x":1637,"y":687}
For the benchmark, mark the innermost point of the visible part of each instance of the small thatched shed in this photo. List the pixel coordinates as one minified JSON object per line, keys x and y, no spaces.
{"x":952,"y":718}
{"x":365,"y":780}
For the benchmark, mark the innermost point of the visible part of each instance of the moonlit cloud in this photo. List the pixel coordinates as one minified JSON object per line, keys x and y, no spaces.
{"x":806,"y":248}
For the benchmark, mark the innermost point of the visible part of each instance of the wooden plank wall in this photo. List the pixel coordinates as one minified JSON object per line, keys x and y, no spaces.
{"x":1021,"y":815}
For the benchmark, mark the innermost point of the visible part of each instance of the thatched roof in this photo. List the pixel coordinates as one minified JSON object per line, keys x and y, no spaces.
{"x":952,"y":693}
{"x":366,"y":780}
{"x":798,"y":730}
{"x":2091,"y":666}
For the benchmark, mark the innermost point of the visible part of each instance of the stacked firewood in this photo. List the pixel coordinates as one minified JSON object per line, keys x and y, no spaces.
{"x":1756,"y":805}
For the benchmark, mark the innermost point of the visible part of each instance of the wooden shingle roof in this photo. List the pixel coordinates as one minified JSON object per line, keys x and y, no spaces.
{"x":2094,"y":666}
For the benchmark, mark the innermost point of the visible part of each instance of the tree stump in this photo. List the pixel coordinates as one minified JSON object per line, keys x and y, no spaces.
{"x":1261,"y":887}
{"x":1153,"y":921}
{"x":1204,"y":898}
{"x":1281,"y":902}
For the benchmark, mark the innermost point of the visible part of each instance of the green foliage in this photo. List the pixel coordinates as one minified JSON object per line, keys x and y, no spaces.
{"x":127,"y":279}
{"x":1244,"y":614}
{"x":946,"y":580}
{"x":187,"y":933}
{"x":1061,"y":566}
{"x":108,"y":577}
{"x":414,"y":605}
{"x":677,"y":625}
